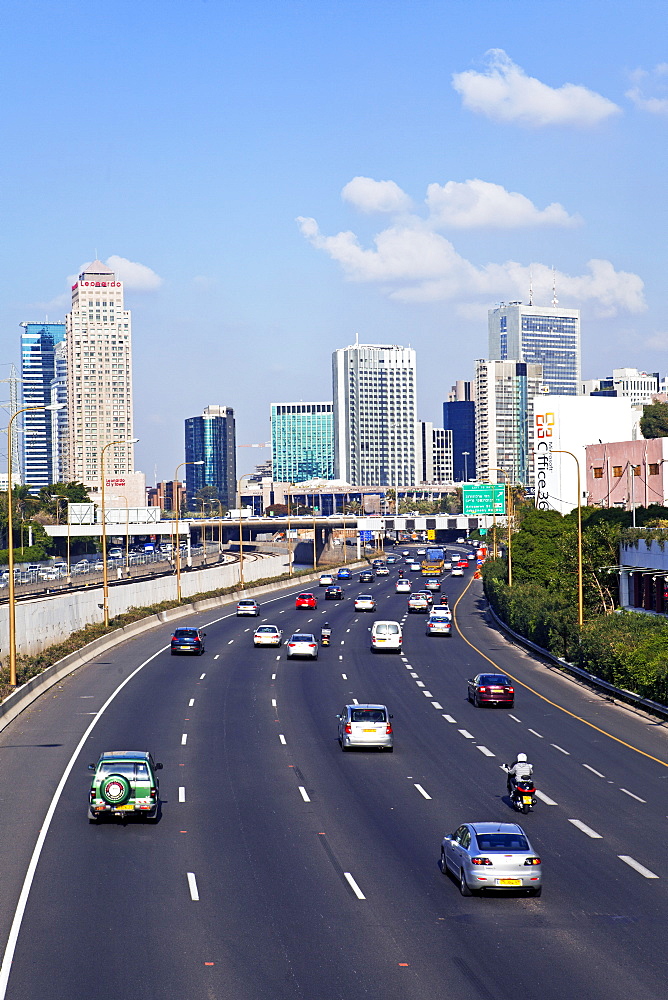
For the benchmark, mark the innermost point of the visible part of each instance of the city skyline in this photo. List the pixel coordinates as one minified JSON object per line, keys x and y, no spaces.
{"x":395,"y":170}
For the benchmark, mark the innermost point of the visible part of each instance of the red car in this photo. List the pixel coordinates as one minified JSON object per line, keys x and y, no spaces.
{"x":463,"y":564}
{"x":491,"y":689}
{"x":306,"y":601}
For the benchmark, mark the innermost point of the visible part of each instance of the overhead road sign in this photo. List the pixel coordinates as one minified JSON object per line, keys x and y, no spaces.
{"x":484,"y":498}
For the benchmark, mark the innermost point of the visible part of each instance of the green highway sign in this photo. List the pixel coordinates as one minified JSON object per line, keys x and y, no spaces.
{"x":483,"y":498}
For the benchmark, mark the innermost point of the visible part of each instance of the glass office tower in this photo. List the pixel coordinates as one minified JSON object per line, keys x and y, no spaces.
{"x":38,"y":368}
{"x":211,"y":439}
{"x":459,"y":419}
{"x":548,"y":336}
{"x":302,"y":442}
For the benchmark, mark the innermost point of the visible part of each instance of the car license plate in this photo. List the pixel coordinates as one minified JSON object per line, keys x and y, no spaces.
{"x":509,"y":881}
{"x":368,"y":730}
{"x":128,"y":805}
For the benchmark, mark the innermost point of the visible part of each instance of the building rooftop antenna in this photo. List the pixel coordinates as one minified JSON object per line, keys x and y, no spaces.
{"x":555,"y":300}
{"x":530,"y":286}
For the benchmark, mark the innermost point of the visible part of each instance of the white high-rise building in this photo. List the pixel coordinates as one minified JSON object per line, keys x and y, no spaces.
{"x":541,"y":335}
{"x":434,"y":453}
{"x":505,"y":392}
{"x":99,"y":378}
{"x":375,"y":413}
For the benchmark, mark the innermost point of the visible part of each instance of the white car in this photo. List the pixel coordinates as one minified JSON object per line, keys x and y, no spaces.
{"x":415,"y":567}
{"x":386,"y":635}
{"x":457,"y":571}
{"x":447,"y":565}
{"x":382,"y":571}
{"x":248,"y":607}
{"x":441,"y":610}
{"x":417,"y":602}
{"x":402,"y":587}
{"x":326,"y":580}
{"x":461,"y":541}
{"x":422,"y":552}
{"x":365,"y":602}
{"x":302,"y":644}
{"x":267,"y":635}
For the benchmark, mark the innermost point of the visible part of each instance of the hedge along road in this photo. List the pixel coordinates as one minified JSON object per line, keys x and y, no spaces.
{"x":554,"y":704}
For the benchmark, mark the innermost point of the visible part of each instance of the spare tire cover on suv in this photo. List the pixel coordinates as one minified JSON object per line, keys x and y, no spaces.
{"x":115,"y":789}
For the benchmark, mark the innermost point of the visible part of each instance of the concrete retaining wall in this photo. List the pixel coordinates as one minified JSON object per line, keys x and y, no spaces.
{"x":47,"y":620}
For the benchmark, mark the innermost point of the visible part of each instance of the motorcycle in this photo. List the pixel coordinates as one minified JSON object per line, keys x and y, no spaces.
{"x":325,"y":636}
{"x":523,"y":795}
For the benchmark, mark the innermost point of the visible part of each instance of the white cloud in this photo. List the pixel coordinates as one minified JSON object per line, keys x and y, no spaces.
{"x":658,"y":342}
{"x":479,"y":203}
{"x":369,"y":195}
{"x":657,"y":80}
{"x":137,"y":277}
{"x":415,"y":264}
{"x":505,"y":93}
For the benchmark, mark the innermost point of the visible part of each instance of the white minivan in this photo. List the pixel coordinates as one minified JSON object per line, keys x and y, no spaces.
{"x":386,"y":635}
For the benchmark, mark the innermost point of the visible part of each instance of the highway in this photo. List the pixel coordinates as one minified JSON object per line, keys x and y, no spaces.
{"x":284,"y":869}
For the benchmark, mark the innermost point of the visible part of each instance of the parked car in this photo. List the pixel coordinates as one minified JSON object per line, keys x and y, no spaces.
{"x":248,"y":607}
{"x":306,"y":601}
{"x":365,"y":602}
{"x":386,"y":636}
{"x":125,"y":782}
{"x":187,"y":639}
{"x":494,"y":856}
{"x":302,"y":644}
{"x":491,"y":689}
{"x":334,"y":594}
{"x":365,"y":726}
{"x":267,"y":635}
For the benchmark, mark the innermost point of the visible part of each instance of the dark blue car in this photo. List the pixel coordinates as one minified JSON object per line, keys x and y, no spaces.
{"x":344,"y":574}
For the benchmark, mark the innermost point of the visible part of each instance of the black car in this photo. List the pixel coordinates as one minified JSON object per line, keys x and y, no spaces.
{"x":333,"y":594}
{"x":187,"y":640}
{"x":366,"y":576}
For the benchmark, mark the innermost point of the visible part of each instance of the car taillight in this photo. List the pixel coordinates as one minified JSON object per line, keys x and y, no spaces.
{"x":532,"y":861}
{"x":510,"y":690}
{"x":152,"y":793}
{"x":291,"y":645}
{"x":483,"y":690}
{"x":173,"y":638}
{"x":312,"y":645}
{"x":349,"y":728}
{"x":388,"y":729}
{"x":480,"y":861}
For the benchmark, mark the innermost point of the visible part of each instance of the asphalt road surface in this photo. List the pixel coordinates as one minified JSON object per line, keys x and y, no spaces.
{"x":284,"y":869}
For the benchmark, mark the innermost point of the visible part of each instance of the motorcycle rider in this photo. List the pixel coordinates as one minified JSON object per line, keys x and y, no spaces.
{"x":325,"y":631}
{"x":519,"y":770}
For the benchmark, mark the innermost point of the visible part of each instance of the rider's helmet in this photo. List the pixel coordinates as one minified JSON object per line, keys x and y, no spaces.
{"x":325,"y":625}
{"x":521,"y":758}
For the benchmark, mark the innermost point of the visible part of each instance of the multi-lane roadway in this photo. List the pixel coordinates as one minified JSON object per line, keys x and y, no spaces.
{"x":284,"y":869}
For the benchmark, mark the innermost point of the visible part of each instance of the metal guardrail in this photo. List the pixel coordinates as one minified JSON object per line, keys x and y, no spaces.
{"x":592,"y":679}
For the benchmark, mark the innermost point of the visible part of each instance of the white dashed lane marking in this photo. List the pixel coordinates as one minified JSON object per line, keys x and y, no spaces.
{"x":182,"y":794}
{"x":514,"y":718}
{"x":202,"y":676}
{"x":632,"y":863}
{"x":422,"y":791}
{"x":282,"y":739}
{"x":304,"y":793}
{"x":448,"y":718}
{"x":436,"y":705}
{"x":636,"y":797}
{"x":353,"y":885}
{"x":420,"y":684}
{"x":536,"y":734}
{"x":273,"y":703}
{"x":545,"y":798}
{"x":487,"y":753}
{"x":184,"y":739}
{"x":230,"y":642}
{"x":192,"y":885}
{"x":594,"y":771}
{"x":466,"y":734}
{"x":427,"y":694}
{"x":191,"y":703}
{"x":344,"y":676}
{"x":560,"y":749}
{"x":273,"y":676}
{"x":585,"y":829}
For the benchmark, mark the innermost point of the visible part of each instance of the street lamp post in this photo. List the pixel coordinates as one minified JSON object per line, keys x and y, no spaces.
{"x":176,"y":524}
{"x":127,"y":532}
{"x":562,"y":451}
{"x":10,"y":540}
{"x":241,"y":530}
{"x":288,"y":539}
{"x":105,"y":574}
{"x":506,"y":485}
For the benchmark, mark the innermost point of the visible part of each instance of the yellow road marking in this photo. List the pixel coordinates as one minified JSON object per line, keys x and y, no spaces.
{"x":516,"y":680}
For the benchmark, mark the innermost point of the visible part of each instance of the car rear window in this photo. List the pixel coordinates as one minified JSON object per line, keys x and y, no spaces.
{"x":127,"y":768}
{"x":186,"y":633}
{"x":367,"y":715}
{"x":302,"y":638}
{"x":498,"y":679}
{"x":387,"y":628}
{"x":501,"y":842}
{"x":268,"y":629}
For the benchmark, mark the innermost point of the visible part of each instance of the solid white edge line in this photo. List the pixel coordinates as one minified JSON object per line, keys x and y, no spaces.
{"x":636,"y":797}
{"x":182,"y":793}
{"x":15,"y":928}
{"x":422,"y":791}
{"x":545,"y":798}
{"x":353,"y":885}
{"x":282,"y":738}
{"x":304,"y":793}
{"x":192,"y":885}
{"x":632,"y":863}
{"x":585,"y":829}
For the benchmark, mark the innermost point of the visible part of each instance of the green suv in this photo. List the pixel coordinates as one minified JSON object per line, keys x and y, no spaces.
{"x":125,"y":783}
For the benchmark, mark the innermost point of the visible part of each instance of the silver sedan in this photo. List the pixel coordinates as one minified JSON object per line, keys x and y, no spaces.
{"x":302,"y":644}
{"x":494,"y":856}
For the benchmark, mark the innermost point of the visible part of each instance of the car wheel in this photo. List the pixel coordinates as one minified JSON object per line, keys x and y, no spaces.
{"x":537,"y":892}
{"x":476,"y":701}
{"x":115,"y":789}
{"x":92,"y":817}
{"x":463,"y":886}
{"x":390,"y":749}
{"x":442,"y":864}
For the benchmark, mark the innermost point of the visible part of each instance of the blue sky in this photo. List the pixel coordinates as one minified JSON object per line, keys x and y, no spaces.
{"x":288,"y":174}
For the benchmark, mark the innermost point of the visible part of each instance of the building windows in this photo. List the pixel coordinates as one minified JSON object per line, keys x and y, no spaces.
{"x":598,"y":473}
{"x":617,"y":471}
{"x":654,"y":469}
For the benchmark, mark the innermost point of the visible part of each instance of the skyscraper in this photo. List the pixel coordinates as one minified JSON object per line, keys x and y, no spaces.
{"x":99,"y":377}
{"x":210,"y":438}
{"x":39,"y":342}
{"x":545,"y":335}
{"x":302,"y":441}
{"x":434,"y":453}
{"x":505,"y":391}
